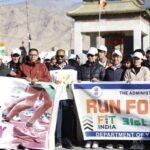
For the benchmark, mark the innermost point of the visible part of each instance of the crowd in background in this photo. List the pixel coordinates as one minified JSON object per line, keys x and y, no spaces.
{"x":97,"y":68}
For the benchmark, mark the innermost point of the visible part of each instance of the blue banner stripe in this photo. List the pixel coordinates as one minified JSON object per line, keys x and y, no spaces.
{"x":113,"y":86}
{"x":117,"y":134}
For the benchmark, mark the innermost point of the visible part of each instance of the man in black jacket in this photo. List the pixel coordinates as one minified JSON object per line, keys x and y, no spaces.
{"x":14,"y":64}
{"x":91,"y":70}
{"x":94,"y":72}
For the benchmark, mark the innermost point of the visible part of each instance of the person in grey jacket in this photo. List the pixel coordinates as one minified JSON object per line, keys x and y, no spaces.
{"x":137,"y":73}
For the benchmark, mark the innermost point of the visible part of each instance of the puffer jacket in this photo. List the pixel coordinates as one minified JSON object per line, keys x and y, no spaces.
{"x":34,"y":70}
{"x":87,"y":72}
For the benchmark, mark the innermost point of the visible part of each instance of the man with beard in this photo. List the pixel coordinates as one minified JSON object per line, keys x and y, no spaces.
{"x":66,"y":117}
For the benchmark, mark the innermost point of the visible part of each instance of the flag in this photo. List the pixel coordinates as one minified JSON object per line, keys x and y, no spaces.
{"x":2,"y":48}
{"x":103,"y":3}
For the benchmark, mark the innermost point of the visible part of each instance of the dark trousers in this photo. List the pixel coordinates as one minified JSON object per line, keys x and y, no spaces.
{"x":58,"y":132}
{"x":66,"y":121}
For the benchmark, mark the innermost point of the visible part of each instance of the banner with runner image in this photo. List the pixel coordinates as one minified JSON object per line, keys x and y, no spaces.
{"x":14,"y":132}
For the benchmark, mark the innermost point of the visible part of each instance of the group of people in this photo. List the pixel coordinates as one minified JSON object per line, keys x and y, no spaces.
{"x":134,"y":67}
{"x":97,"y":68}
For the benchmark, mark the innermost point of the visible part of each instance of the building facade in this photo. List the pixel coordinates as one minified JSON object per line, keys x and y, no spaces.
{"x":122,"y":24}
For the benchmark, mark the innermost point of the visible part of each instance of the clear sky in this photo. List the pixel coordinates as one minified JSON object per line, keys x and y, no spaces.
{"x":20,"y":1}
{"x":5,"y":2}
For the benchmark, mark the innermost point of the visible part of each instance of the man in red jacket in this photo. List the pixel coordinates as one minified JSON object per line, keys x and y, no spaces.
{"x":33,"y":71}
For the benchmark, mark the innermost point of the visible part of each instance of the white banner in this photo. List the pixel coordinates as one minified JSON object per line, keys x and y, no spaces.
{"x":114,"y":111}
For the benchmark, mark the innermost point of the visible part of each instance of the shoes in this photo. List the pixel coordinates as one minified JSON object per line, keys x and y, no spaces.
{"x":48,"y":115}
{"x":4,"y":114}
{"x":44,"y":119}
{"x":67,"y":144}
{"x":95,"y":145}
{"x":5,"y":120}
{"x":120,"y":146}
{"x":36,"y":126}
{"x":134,"y":145}
{"x":140,"y":145}
{"x":17,"y":118}
{"x":58,"y":146}
{"x":88,"y":144}
{"x":109,"y":146}
{"x":137,"y":145}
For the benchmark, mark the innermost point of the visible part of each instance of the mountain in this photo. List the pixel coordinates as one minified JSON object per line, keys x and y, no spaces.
{"x":49,"y":26}
{"x":53,"y":4}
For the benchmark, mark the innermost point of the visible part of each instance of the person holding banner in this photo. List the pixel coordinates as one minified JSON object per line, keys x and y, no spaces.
{"x":137,"y":73}
{"x":94,"y":72}
{"x":115,"y":73}
{"x":66,"y":119}
{"x":14,"y":64}
{"x":33,"y":71}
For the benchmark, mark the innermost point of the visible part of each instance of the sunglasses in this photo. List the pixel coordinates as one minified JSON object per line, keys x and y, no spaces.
{"x":47,"y":59}
{"x":90,"y":55}
{"x":15,"y":55}
{"x":60,"y":56}
{"x":101,"y":51}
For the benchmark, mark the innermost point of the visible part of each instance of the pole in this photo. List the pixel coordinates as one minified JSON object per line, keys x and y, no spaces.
{"x":102,"y":3}
{"x":28,"y":28}
{"x":99,"y":19}
{"x":71,"y":39}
